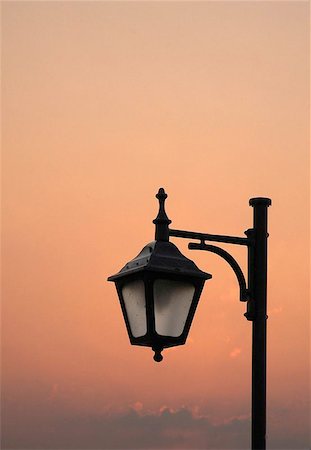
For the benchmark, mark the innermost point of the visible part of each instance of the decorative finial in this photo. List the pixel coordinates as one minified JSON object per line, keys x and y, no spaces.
{"x":162,"y":221}
{"x":161,"y":195}
{"x":157,"y":354}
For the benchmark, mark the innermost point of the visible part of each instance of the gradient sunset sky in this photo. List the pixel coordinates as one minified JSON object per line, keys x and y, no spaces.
{"x":102,"y":104}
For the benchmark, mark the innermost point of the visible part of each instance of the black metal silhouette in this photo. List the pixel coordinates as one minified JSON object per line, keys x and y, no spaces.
{"x":256,"y":296}
{"x":163,"y":257}
{"x":244,"y":292}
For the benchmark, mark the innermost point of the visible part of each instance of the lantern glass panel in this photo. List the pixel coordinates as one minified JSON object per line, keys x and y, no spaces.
{"x":172,"y":301}
{"x":135,"y":305}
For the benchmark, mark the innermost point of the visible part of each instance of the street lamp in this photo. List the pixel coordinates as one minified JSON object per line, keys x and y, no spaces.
{"x":159,"y":291}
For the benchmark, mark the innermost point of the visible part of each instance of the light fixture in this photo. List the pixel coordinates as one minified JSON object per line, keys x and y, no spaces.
{"x":159,"y":291}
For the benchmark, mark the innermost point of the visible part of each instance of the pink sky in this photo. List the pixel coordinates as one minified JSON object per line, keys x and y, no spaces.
{"x":103,"y":103}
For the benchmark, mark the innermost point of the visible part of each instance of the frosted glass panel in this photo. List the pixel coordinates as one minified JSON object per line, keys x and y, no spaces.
{"x":135,"y":304}
{"x":172,"y":301}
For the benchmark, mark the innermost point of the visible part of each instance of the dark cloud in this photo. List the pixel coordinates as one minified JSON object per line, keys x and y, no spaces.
{"x":129,"y":430}
{"x":167,"y":429}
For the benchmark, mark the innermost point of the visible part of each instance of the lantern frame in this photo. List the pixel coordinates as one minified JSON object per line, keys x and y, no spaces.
{"x":159,"y":260}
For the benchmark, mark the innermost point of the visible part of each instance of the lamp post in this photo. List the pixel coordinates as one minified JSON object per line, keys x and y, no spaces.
{"x":160,"y":288}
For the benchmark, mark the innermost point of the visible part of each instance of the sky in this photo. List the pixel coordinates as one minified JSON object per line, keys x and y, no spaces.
{"x":102,"y":104}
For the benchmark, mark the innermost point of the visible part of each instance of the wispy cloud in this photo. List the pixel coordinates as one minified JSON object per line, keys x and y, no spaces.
{"x":274,"y":311}
{"x":235,"y":352}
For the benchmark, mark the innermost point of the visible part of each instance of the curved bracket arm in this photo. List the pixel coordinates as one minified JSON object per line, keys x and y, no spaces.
{"x":244,"y":292}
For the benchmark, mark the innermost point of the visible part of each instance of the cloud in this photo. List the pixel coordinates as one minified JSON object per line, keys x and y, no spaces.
{"x":133,"y":429}
{"x":275,"y":311}
{"x":137,"y":406}
{"x":235,"y":352}
{"x":136,"y":429}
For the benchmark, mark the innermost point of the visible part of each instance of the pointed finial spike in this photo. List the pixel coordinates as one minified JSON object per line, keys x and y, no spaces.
{"x":162,"y":221}
{"x":161,"y":194}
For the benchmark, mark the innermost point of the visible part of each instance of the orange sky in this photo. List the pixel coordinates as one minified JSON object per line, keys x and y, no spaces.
{"x":103,"y":103}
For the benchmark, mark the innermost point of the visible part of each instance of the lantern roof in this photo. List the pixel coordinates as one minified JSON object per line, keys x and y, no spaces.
{"x":164,"y":257}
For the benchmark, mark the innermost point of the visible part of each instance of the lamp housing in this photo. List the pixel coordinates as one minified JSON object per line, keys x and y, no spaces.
{"x":159,"y":291}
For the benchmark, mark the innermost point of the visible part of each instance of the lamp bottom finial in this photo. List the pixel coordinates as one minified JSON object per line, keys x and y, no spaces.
{"x":157,"y":354}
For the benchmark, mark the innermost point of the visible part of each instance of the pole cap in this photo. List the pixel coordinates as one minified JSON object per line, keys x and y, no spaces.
{"x":260,"y":201}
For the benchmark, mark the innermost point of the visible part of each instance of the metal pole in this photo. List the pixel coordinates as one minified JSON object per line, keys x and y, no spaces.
{"x":258,"y":260}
